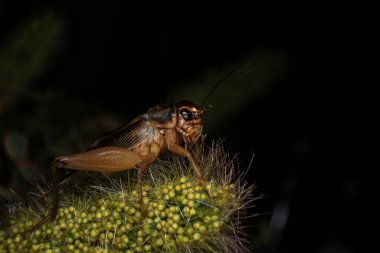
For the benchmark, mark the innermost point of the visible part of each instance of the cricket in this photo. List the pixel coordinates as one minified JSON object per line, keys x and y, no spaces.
{"x":135,"y":145}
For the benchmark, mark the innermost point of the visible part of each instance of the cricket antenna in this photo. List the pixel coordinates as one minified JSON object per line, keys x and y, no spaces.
{"x":205,"y":108}
{"x":228,"y":75}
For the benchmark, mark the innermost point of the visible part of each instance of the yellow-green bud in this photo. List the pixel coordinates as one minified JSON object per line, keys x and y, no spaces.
{"x":196,"y":236}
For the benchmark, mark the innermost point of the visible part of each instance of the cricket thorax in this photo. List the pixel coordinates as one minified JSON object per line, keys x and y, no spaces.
{"x":189,"y":121}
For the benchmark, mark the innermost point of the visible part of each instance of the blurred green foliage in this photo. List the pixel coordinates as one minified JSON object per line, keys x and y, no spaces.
{"x":24,"y":56}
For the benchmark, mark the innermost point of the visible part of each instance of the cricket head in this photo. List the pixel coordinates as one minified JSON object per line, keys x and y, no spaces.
{"x":189,"y":121}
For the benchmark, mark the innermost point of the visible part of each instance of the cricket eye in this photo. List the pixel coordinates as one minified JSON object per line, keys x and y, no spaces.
{"x":186,"y":114}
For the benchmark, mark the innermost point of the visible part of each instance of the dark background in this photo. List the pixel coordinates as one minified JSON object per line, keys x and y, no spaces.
{"x":101,"y":64}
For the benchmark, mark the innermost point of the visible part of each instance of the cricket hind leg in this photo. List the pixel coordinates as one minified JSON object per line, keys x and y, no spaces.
{"x":107,"y":159}
{"x":54,"y":209}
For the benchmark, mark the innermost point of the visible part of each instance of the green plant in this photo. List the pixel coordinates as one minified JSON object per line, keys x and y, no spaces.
{"x":103,"y":214}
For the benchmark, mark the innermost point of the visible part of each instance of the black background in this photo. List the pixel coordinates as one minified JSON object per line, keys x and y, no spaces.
{"x":124,"y":60}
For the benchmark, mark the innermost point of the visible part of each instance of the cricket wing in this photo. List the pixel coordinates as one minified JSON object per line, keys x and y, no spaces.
{"x":128,"y":135}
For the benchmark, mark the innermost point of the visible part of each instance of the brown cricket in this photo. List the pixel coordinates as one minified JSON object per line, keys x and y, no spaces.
{"x":136,"y":145}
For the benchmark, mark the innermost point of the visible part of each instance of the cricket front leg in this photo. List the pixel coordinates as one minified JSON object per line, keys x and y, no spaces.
{"x":177,"y":149}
